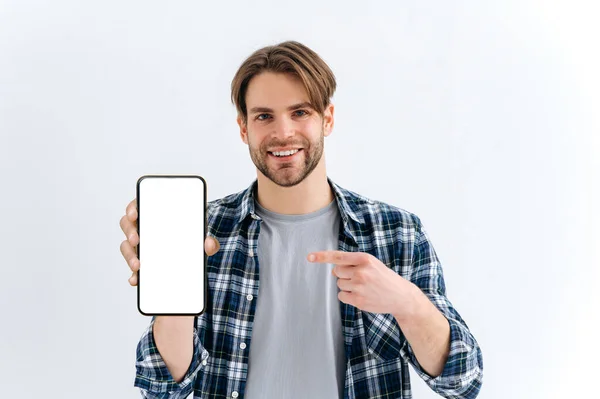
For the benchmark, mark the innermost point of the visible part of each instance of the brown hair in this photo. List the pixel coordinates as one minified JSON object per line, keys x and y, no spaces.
{"x":286,"y":57}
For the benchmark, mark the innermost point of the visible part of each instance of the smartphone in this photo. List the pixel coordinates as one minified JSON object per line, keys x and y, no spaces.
{"x":172,"y":228}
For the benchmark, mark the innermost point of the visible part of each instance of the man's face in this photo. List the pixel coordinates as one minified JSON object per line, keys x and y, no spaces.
{"x":280,"y":118}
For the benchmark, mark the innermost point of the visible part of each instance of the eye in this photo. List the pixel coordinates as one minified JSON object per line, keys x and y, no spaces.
{"x":259,"y":117}
{"x":302,"y":112}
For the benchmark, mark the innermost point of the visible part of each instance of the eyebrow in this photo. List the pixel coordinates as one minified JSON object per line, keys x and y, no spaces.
{"x":290,"y":108}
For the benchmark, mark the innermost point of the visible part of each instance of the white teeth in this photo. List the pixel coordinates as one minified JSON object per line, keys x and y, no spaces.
{"x":284,"y":153}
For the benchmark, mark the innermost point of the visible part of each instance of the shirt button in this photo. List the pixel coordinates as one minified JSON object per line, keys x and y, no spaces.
{"x":234,"y":394}
{"x":243,"y":345}
{"x":249,"y":297}
{"x":204,"y":362}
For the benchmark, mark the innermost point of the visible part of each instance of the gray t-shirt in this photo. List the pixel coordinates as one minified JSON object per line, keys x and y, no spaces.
{"x":297,"y":345}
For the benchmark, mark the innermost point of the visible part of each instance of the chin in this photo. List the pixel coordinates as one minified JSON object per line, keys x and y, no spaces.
{"x":290,"y":181}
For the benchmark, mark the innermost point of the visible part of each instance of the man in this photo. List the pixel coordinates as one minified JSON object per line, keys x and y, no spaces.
{"x":314,"y":290}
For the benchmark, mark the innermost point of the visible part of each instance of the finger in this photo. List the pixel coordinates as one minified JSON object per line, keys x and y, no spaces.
{"x":133,"y":280}
{"x":342,"y":271}
{"x":338,"y":257}
{"x":130,"y":230}
{"x":131,"y":210}
{"x":130,"y":256}
{"x":346,"y":285}
{"x":346,"y":297}
{"x":211,"y":246}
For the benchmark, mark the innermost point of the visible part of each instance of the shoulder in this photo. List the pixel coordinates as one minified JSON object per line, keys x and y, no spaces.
{"x":381,"y":214}
{"x":224,"y":204}
{"x":225,"y":213}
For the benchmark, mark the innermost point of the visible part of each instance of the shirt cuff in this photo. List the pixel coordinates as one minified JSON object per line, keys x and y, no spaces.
{"x":462,"y":373}
{"x":152,"y":374}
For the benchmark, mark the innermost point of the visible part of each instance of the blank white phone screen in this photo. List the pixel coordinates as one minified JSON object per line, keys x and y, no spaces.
{"x":171,"y":224}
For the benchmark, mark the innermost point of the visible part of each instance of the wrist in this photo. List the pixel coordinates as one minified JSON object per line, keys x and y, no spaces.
{"x":408,"y":306}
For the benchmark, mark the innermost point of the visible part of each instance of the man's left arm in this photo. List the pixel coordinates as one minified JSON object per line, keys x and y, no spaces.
{"x":438,"y":342}
{"x":440,"y":346}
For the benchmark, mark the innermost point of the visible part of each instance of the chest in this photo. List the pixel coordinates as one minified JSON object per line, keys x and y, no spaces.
{"x":248,"y":259}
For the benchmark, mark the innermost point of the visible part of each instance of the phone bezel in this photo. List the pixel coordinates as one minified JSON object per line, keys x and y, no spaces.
{"x":205,"y":293}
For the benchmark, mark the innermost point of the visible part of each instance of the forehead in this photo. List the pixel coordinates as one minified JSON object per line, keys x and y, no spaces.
{"x":275,"y":90}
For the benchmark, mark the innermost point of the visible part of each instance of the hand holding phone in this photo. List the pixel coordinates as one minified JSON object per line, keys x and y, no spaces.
{"x":167,"y":226}
{"x":128,"y":248}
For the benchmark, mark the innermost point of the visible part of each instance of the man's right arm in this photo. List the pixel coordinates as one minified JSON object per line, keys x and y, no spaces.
{"x":169,"y":356}
{"x":170,"y":353}
{"x":174,"y":340}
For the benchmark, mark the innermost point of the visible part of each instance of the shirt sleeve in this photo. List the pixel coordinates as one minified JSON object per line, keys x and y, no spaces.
{"x":152,"y":375}
{"x":462,"y":375}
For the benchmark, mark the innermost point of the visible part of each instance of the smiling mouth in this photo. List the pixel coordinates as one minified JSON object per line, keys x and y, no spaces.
{"x":285,"y":155}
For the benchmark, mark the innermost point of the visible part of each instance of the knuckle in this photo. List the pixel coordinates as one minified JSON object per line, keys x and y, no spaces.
{"x":359,"y":276}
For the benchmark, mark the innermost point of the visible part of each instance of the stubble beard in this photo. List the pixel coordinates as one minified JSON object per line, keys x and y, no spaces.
{"x":288,"y":174}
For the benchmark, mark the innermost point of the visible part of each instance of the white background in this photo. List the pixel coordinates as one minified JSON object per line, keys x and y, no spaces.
{"x":481,"y":117}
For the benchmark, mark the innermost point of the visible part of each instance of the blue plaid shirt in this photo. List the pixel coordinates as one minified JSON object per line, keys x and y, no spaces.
{"x":377,"y":352}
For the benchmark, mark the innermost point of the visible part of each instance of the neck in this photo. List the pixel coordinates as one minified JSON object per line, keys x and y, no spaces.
{"x":310,"y":195}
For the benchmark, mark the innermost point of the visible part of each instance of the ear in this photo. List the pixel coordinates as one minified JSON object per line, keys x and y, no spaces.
{"x":243,"y":129}
{"x":328,"y":120}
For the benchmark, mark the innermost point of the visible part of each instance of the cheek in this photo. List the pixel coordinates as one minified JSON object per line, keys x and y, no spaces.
{"x":254,"y":136}
{"x":309,"y":130}
{"x":310,"y":125}
{"x":259,"y":131}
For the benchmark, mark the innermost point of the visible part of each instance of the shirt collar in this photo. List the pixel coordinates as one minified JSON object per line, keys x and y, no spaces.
{"x":350,"y":204}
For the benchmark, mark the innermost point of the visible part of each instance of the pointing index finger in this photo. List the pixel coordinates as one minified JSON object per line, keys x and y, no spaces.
{"x":335,"y":257}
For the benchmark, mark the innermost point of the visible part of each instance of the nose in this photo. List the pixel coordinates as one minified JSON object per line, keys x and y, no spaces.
{"x":283,"y":127}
